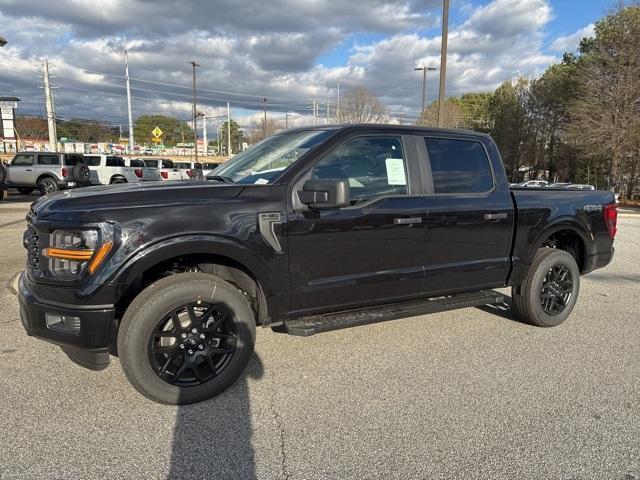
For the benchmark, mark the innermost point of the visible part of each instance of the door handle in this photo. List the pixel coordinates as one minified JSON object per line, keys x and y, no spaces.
{"x":494,"y":216}
{"x":29,"y":170}
{"x":407,"y":220}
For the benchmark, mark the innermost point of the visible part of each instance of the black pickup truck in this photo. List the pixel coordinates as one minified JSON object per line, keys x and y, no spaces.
{"x":311,"y":230}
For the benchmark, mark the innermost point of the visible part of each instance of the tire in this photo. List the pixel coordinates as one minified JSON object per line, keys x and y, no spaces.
{"x":25,"y":190}
{"x":117,"y":180}
{"x":81,"y":174}
{"x":3,"y":195}
{"x":550,"y":289}
{"x":155,"y":369}
{"x":47,"y":185}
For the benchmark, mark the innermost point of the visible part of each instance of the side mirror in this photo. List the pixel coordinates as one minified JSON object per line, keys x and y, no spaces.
{"x":319,"y":194}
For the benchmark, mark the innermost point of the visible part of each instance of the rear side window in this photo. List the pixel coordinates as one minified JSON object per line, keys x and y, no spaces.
{"x":458,"y":166}
{"x":151,"y":163}
{"x":137,"y":163}
{"x":167,"y":164}
{"x":182,"y":165}
{"x":115,"y":162}
{"x":48,"y":160}
{"x":92,"y":161}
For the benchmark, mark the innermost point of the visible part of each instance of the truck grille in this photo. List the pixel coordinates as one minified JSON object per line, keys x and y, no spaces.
{"x":32,"y":244}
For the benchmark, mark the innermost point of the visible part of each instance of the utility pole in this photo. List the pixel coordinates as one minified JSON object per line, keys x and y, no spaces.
{"x":229,"y":126}
{"x":51,"y":113}
{"x":286,"y":120}
{"x":205,"y":144}
{"x":314,"y":111}
{"x":130,"y":112}
{"x":338,"y":105}
{"x":424,"y":87}
{"x":443,"y":61}
{"x":195,"y":112}
{"x":264,"y":127}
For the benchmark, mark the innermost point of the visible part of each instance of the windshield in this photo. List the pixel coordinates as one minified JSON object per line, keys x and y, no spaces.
{"x":265,"y":161}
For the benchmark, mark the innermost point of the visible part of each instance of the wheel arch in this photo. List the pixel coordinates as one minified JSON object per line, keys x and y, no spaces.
{"x":50,"y":175}
{"x":565,"y":234}
{"x":117,"y":176}
{"x":181,"y":254}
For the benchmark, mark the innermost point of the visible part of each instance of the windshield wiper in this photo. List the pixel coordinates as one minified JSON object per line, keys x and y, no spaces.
{"x":219,"y":178}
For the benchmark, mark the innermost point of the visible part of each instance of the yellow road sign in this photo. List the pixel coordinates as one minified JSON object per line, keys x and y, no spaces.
{"x":156,"y":132}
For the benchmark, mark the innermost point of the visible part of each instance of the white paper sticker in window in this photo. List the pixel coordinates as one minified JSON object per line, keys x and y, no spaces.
{"x":395,"y":171}
{"x":261,"y":181}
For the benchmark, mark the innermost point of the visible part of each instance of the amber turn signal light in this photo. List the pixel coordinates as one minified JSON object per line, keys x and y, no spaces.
{"x":100,"y":255}
{"x":66,"y":254}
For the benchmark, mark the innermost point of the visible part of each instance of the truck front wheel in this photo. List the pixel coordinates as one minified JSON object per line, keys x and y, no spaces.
{"x":550,"y":290}
{"x":186,"y":338}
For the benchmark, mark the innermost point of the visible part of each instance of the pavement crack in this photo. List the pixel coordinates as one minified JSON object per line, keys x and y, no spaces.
{"x":283,"y":456}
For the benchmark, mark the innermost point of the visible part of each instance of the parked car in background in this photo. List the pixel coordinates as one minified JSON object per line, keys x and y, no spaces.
{"x":45,"y":171}
{"x":165,"y":167}
{"x":208,"y":167}
{"x":149,"y":174}
{"x":534,"y":183}
{"x":579,"y":186}
{"x":112,"y":169}
{"x":185,"y":169}
{"x":558,"y":185}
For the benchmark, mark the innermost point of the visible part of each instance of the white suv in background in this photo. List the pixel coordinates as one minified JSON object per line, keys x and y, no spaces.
{"x":112,"y":169}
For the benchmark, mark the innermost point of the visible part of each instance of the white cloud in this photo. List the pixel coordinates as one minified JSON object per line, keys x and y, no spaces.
{"x":569,"y":43}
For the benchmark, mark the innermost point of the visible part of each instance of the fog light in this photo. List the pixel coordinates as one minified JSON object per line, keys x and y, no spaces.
{"x":62,"y":323}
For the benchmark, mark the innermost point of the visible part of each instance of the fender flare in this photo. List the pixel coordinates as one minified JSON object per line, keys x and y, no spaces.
{"x":557,"y":225}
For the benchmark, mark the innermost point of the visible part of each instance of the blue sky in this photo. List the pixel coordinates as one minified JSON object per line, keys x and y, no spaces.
{"x":289,"y":51}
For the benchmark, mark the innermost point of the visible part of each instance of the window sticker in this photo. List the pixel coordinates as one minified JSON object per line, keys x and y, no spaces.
{"x":395,"y":171}
{"x":261,"y":181}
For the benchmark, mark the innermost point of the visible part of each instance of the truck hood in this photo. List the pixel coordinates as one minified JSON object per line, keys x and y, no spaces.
{"x":96,"y":203}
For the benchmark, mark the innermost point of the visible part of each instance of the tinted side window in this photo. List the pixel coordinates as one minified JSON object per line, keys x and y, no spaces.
{"x":137,"y":163}
{"x":167,"y":164}
{"x":458,"y":166}
{"x":22,"y":161}
{"x":48,"y":160}
{"x":151,"y":163}
{"x":373,"y":166}
{"x":92,"y":161}
{"x":115,"y":162}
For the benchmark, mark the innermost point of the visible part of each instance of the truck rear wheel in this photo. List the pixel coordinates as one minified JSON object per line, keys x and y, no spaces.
{"x":186,"y":338}
{"x":550,"y":290}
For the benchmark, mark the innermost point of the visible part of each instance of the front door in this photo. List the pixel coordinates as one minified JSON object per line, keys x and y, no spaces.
{"x":370,"y":251}
{"x":21,"y":170}
{"x":471,"y":216}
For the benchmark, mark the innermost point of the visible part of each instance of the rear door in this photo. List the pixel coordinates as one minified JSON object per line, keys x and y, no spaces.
{"x":48,"y":163}
{"x":471,"y":216}
{"x":371,"y":251}
{"x":21,"y":170}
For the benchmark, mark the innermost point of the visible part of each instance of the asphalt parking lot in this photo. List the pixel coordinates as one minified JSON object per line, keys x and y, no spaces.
{"x":464,"y":394}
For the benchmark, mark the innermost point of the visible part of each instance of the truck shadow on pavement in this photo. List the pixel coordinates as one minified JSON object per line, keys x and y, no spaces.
{"x":503,"y":310}
{"x":212,"y":439}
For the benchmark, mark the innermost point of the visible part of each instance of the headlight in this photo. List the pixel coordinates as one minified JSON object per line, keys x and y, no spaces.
{"x":70,"y":251}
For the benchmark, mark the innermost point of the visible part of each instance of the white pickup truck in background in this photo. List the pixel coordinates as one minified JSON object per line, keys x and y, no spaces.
{"x":149,"y":174}
{"x":112,"y":169}
{"x":165,"y":167}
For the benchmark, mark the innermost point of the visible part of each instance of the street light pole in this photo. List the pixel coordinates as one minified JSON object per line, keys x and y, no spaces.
{"x":443,"y":61}
{"x":195,"y":112}
{"x":424,"y":85}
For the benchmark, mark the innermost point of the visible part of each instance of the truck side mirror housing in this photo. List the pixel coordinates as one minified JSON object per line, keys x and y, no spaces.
{"x":322,"y":194}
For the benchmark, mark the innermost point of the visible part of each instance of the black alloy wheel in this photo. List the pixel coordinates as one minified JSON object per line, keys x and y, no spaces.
{"x":556,"y":291}
{"x":193,"y":343}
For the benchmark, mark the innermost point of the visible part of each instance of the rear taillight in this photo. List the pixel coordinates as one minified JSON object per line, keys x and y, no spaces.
{"x":611,"y":219}
{"x":138,"y":172}
{"x":164,"y":174}
{"x":189,"y":173}
{"x":65,"y":172}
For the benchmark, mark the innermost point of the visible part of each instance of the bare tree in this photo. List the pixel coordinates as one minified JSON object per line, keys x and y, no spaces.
{"x":257,"y":130}
{"x":606,"y":115}
{"x":359,"y":105}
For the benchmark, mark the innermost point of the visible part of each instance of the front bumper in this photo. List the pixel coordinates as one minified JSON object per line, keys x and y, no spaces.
{"x":89,"y":347}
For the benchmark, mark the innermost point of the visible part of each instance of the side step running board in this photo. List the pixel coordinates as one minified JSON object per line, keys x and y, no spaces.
{"x":307,"y":326}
